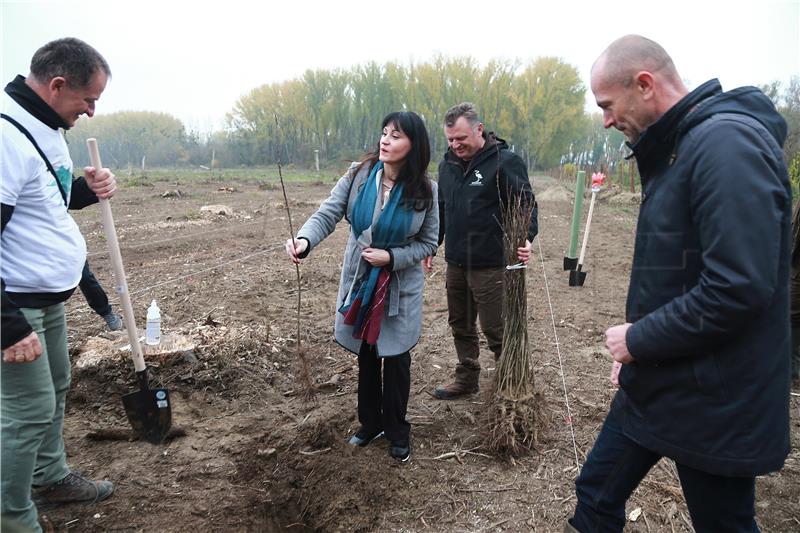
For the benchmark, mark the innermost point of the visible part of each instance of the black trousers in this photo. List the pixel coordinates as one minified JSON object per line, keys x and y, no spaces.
{"x":617,"y":464}
{"x":95,"y":295}
{"x":383,"y":405}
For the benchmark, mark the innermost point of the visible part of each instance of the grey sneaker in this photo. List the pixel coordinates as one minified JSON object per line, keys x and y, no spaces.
{"x":71,"y":489}
{"x":113,"y":321}
{"x":365,"y":436}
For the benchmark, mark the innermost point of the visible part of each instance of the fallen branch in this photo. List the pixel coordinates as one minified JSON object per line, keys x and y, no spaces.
{"x":448,"y":455}
{"x":315,"y":452}
{"x":458,"y":454}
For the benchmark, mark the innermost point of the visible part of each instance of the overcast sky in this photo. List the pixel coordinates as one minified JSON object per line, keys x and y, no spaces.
{"x":194,"y":59}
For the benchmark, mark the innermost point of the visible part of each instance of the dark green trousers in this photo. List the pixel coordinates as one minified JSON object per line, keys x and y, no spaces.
{"x":32,"y":414}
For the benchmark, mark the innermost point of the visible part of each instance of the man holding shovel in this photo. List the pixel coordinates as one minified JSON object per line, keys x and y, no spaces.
{"x":43,"y":254}
{"x":702,"y":361}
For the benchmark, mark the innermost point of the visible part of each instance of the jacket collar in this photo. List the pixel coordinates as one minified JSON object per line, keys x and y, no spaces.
{"x":492,"y":146}
{"x":22,"y":94}
{"x":658,"y":139}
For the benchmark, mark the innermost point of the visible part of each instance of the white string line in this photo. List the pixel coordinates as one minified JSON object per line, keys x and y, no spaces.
{"x":248,"y":256}
{"x":115,"y":298}
{"x":176,"y":238}
{"x":83,"y":215}
{"x":89,"y":217}
{"x":558,"y":351}
{"x":270,"y":249}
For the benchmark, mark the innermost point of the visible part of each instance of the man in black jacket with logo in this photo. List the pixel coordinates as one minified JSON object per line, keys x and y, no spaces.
{"x":477,"y":177}
{"x":702,"y":360}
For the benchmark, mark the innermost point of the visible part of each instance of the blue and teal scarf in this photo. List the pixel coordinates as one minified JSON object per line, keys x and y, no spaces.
{"x":364,"y":308}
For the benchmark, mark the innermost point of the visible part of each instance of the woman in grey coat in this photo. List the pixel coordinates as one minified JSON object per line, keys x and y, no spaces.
{"x":392,"y":208}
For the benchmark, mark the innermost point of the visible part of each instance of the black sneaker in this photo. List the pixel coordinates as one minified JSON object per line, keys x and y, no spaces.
{"x":400,"y":451}
{"x":71,"y":489}
{"x":365,"y":436}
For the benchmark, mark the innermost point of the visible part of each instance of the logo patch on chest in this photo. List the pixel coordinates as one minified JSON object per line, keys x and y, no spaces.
{"x":478,"y":179}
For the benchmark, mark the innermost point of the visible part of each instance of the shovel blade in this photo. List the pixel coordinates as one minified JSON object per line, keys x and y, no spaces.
{"x":149,"y":413}
{"x":576,"y":278}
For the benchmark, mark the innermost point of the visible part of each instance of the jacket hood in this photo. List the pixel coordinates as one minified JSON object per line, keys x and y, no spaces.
{"x":749,"y":101}
{"x":658,"y":141}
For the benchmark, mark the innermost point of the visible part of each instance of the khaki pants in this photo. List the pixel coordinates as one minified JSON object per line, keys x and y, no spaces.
{"x":472,"y":294}
{"x":32,"y":414}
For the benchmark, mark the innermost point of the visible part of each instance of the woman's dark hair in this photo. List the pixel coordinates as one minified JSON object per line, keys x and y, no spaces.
{"x":414,"y":172}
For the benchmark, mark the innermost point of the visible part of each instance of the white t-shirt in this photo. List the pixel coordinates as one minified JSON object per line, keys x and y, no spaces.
{"x":42,"y":249}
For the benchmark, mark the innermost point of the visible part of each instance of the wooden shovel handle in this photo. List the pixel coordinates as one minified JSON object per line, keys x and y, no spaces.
{"x":586,"y":231}
{"x":119,"y":270}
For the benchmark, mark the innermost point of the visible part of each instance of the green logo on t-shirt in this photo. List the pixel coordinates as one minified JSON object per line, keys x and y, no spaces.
{"x":65,"y":178}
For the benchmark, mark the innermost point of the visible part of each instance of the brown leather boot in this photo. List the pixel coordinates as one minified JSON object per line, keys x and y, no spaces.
{"x":455,"y":390}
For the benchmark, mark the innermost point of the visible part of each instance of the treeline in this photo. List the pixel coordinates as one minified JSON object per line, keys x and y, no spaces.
{"x":135,"y":139}
{"x":538,"y":107}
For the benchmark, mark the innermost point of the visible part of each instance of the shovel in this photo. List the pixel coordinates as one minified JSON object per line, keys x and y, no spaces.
{"x":148,"y":410}
{"x":571,"y":260}
{"x":578,"y":275}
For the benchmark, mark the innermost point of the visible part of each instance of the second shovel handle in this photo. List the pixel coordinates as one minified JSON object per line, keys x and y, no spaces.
{"x":119,"y":270}
{"x":586,"y":230}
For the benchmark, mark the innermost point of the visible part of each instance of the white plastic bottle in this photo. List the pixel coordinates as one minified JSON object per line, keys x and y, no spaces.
{"x":153,"y":334}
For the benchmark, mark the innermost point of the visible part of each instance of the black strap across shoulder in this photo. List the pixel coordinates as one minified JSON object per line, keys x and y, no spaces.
{"x":27,"y":134}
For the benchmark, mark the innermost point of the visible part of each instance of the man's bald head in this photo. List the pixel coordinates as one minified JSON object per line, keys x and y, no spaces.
{"x":635,"y":82}
{"x":631,"y":54}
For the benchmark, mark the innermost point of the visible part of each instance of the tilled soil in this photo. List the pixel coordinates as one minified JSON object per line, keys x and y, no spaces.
{"x":253,"y":453}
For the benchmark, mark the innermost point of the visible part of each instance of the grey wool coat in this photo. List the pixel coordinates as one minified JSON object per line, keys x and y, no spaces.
{"x":402,"y":319}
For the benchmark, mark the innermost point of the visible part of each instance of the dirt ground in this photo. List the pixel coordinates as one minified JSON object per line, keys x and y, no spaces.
{"x":253,"y":455}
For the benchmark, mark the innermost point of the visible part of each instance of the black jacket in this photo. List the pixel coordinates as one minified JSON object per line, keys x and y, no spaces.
{"x":709,"y":288}
{"x":471,"y":204}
